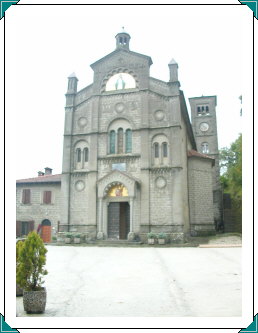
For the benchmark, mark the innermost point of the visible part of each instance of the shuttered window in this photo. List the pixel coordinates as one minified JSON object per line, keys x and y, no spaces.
{"x":26,"y":196}
{"x":24,"y":227}
{"x":47,"y":197}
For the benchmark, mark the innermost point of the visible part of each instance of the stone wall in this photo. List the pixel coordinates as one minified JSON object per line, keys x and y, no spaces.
{"x":200,"y":196}
{"x":37,"y":211}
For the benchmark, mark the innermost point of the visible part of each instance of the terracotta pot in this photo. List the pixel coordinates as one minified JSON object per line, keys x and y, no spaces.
{"x":77,"y":240}
{"x":161,"y":241}
{"x":151,"y":241}
{"x":68,"y":240}
{"x":35,"y":301}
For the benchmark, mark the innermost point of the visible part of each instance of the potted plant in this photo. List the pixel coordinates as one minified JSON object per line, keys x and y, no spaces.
{"x":19,"y":245}
{"x":161,"y":238}
{"x":68,"y":238}
{"x":151,"y":238}
{"x":77,"y":238}
{"x":54,"y":239}
{"x":30,"y":273}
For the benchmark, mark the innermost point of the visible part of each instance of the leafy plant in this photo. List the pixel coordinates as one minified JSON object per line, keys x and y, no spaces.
{"x":69,"y":235}
{"x":151,"y":235}
{"x":78,"y":235}
{"x":30,"y":263}
{"x":54,"y":238}
{"x":161,"y":235}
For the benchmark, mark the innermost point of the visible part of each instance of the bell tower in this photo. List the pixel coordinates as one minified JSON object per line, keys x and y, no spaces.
{"x":204,"y":123}
{"x":123,"y":40}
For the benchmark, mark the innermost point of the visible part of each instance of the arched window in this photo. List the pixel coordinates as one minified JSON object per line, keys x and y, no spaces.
{"x":112,"y":142}
{"x":78,"y":155}
{"x":165,"y":149}
{"x":156,"y":150}
{"x":86,"y":154}
{"x":205,"y":148}
{"x":207,"y":109}
{"x":120,"y":141}
{"x":128,"y":141}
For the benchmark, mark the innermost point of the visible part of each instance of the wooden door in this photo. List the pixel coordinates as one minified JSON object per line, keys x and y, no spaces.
{"x":124,"y":221}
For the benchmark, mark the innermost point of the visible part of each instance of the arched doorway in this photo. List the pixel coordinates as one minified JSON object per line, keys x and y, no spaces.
{"x":118,"y":212}
{"x":46,"y":231}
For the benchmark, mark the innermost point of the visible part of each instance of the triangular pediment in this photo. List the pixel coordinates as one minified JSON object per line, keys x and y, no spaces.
{"x":115,"y":174}
{"x":122,"y":53}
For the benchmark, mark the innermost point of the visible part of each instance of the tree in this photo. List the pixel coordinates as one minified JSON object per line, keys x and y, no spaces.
{"x":30,"y":263}
{"x":231,"y":167}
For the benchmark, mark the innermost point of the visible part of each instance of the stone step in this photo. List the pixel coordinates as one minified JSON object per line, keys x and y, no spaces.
{"x":117,"y":242}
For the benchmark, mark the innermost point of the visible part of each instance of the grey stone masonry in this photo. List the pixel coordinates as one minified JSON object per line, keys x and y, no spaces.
{"x":203,"y":116}
{"x":127,"y":138}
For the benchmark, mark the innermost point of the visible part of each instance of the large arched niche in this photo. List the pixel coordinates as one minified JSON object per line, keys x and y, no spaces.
{"x":116,"y":179}
{"x":116,"y":189}
{"x":119,"y":79}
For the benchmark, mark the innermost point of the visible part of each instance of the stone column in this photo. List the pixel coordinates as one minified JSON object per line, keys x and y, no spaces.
{"x":100,"y":234}
{"x":131,"y":214}
{"x":131,"y":234}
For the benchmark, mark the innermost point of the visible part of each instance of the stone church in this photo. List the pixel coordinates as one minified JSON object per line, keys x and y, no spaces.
{"x":133,"y":163}
{"x":132,"y":160}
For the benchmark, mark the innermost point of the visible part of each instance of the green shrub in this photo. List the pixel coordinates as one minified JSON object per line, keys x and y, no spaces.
{"x":69,"y":235}
{"x":30,"y":263}
{"x":19,"y":245}
{"x":78,"y":235}
{"x":54,"y":238}
{"x":151,"y":235}
{"x":161,"y":235}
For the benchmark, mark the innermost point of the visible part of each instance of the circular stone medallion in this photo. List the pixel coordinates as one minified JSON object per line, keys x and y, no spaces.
{"x":80,"y":185}
{"x":159,"y":115}
{"x":82,"y":122}
{"x":161,"y":182}
{"x":119,"y":107}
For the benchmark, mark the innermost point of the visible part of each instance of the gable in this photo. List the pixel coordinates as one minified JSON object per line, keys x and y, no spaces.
{"x":121,"y":56}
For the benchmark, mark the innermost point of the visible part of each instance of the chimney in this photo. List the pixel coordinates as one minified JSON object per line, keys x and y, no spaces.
{"x":40,"y":173}
{"x":48,"y":171}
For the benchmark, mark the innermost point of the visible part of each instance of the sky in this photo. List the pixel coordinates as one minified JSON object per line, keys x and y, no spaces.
{"x":45,"y":46}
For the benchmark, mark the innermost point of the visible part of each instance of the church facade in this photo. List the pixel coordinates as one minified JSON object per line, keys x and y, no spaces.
{"x":133,"y":163}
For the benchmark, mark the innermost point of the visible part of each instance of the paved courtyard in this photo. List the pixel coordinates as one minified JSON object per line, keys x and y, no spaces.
{"x":148,"y":281}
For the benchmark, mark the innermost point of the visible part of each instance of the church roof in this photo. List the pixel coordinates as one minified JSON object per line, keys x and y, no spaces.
{"x":121,"y":50}
{"x":187,"y":119}
{"x":40,"y":179}
{"x":194,"y":153}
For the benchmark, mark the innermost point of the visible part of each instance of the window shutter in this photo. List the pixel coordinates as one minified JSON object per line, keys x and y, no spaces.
{"x":26,"y":196}
{"x":31,"y":226}
{"x":47,"y":197}
{"x":18,"y":229}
